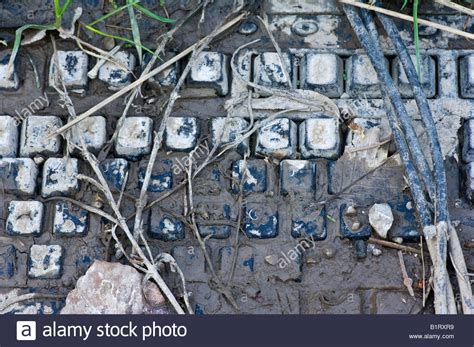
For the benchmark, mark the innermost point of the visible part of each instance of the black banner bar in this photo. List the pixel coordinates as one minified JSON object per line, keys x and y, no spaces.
{"x":219,"y":330}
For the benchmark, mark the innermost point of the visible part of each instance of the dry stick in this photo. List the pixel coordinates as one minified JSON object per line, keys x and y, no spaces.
{"x":142,"y":79}
{"x":85,"y":207}
{"x":160,"y":49}
{"x":394,"y":245}
{"x":408,"y":18}
{"x":159,"y":135}
{"x":457,"y":259}
{"x":92,"y":74}
{"x":217,"y":281}
{"x":239,"y":221}
{"x":122,"y":222}
{"x":167,"y":258}
{"x":321,"y":102}
{"x":25,"y":297}
{"x":372,"y":146}
{"x":110,"y":198}
{"x":350,"y":185}
{"x":407,"y":281}
{"x":423,"y":266}
{"x":456,"y":7}
{"x":101,"y":54}
{"x":137,"y":229}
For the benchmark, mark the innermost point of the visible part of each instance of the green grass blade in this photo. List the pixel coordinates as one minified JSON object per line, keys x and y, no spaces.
{"x":57,"y":8}
{"x":416,"y":36}
{"x":18,"y":36}
{"x":135,"y":32}
{"x":65,"y":7}
{"x":120,"y":38}
{"x":405,"y":3}
{"x":152,"y":15}
{"x":111,"y":13}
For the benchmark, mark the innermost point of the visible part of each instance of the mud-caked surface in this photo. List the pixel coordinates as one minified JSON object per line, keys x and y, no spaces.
{"x":287,"y":226}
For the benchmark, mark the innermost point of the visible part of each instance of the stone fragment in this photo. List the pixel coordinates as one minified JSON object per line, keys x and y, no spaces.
{"x":113,"y":288}
{"x":381,"y":219}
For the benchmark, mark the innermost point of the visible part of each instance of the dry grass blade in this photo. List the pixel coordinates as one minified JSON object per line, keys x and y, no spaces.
{"x":456,"y":7}
{"x":142,"y":79}
{"x":409,"y":18}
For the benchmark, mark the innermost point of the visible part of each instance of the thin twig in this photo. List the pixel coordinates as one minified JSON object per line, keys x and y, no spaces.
{"x":456,"y":7}
{"x":393,"y":245}
{"x":407,"y":281}
{"x":409,"y":18}
{"x":27,"y":297}
{"x":102,"y":183}
{"x":142,"y":79}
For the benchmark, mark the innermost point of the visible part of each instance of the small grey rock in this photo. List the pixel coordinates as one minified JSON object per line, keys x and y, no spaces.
{"x":271,"y":259}
{"x":329,"y":252}
{"x":381,"y":219}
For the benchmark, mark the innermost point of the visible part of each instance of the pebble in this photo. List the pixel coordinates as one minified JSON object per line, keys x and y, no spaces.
{"x":381,"y":219}
{"x":361,"y":249}
{"x":351,"y":211}
{"x":329,"y":252}
{"x":355,"y":226}
{"x":376,"y":252}
{"x":271,"y":259}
